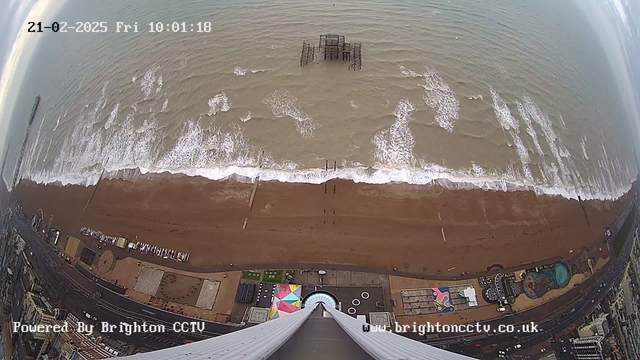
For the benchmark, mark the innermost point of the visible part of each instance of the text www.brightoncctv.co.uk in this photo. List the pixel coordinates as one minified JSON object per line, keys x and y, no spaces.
{"x":434,"y":328}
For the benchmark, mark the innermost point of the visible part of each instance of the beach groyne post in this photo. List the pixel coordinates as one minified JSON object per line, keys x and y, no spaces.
{"x":93,"y":192}
{"x":254,"y":190}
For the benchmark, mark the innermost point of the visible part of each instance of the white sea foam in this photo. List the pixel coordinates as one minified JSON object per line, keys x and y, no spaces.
{"x":147,"y":84}
{"x":439,"y":97}
{"x":549,"y":134}
{"x":246,"y":118}
{"x":511,"y":125}
{"x":564,"y":125}
{"x":112,"y":116}
{"x":239,"y":71}
{"x":134,"y":78}
{"x":203,"y":148}
{"x":564,"y":152}
{"x":353,"y":104}
{"x":217,"y":153}
{"x":258,"y":71}
{"x":284,"y":104}
{"x":530,"y":129}
{"x":164,"y":105}
{"x":159,"y":84}
{"x":47,"y":153}
{"x":218,"y":103}
{"x":425,"y":174}
{"x":57,"y":124}
{"x":409,"y":72}
{"x":442,"y":99}
{"x":94,"y":116}
{"x":394,"y":146}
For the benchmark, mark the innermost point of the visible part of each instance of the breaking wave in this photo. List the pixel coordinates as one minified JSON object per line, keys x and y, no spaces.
{"x":583,"y":145}
{"x":284,"y":104}
{"x":147,"y":84}
{"x":112,"y":116}
{"x":246,"y":118}
{"x":394,"y":146}
{"x":438,"y":96}
{"x":218,"y":103}
{"x":511,"y":125}
{"x":219,"y":152}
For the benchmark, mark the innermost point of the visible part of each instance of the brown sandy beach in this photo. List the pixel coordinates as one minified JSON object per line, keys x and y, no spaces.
{"x":381,"y":226}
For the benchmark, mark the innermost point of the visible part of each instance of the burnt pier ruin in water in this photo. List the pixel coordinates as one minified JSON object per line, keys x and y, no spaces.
{"x":332,"y":47}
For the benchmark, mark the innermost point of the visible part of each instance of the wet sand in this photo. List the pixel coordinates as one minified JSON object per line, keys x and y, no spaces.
{"x":381,"y":226}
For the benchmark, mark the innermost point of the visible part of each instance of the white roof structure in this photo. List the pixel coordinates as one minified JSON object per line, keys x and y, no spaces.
{"x":470,"y":294}
{"x":263,"y":340}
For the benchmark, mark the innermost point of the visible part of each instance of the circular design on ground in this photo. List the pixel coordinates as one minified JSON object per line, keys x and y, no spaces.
{"x":320,"y":297}
{"x":364,"y":295}
{"x":105,"y":262}
{"x":562,"y":274}
{"x":355,"y":302}
{"x":351,"y":311}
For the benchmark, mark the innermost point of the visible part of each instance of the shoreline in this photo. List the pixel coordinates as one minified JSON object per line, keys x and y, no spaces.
{"x":427,"y":228}
{"x":433,"y":175}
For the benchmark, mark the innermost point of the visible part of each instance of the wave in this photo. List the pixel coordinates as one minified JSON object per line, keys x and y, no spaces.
{"x":427,"y":174}
{"x":530,"y":130}
{"x":246,"y":118}
{"x":206,"y":148}
{"x":284,"y":104}
{"x":438,"y":96}
{"x":218,"y":103}
{"x":112,"y":116}
{"x":147,"y":84}
{"x":239,"y":71}
{"x":511,"y":125}
{"x":394,"y":146}
{"x":164,"y":105}
{"x":583,"y":145}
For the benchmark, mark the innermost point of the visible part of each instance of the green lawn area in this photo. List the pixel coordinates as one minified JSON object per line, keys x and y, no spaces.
{"x":272,"y":276}
{"x":251,"y":275}
{"x":618,"y":242}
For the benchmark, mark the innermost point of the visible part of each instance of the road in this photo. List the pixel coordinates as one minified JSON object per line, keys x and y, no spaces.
{"x":76,"y":291}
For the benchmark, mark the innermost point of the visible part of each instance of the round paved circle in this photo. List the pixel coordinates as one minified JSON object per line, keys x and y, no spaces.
{"x":364,"y":295}
{"x":105,"y":262}
{"x":351,"y":311}
{"x":355,"y":302}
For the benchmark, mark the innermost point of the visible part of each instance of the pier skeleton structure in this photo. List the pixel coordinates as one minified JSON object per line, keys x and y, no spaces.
{"x":332,"y":47}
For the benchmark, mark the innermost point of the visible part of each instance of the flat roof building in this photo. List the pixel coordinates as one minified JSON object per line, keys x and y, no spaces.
{"x":587,"y":348}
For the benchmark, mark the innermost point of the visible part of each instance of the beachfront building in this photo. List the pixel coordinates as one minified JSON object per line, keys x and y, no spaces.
{"x":296,"y":336}
{"x":73,"y":345}
{"x":37,"y":311}
{"x":587,"y":348}
{"x":599,"y":326}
